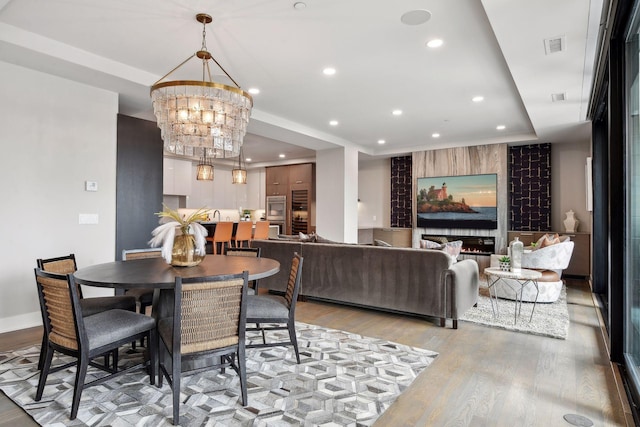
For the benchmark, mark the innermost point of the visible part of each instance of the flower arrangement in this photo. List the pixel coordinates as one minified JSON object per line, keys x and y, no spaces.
{"x":177,"y":250}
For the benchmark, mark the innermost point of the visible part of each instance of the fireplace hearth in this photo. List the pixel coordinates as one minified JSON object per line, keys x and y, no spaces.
{"x":471,"y":245}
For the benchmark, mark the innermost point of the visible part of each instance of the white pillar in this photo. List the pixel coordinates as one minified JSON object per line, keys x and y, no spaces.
{"x":337,"y":194}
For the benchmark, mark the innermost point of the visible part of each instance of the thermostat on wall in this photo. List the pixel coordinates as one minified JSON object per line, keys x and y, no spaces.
{"x":91,"y":186}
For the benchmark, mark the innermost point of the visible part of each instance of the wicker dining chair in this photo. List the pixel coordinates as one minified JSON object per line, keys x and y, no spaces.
{"x":86,"y":337}
{"x":262,"y":230}
{"x":277,"y":311}
{"x":143,"y":296}
{"x":208,"y":321}
{"x":247,"y":252}
{"x":67,"y":265}
{"x":243,"y":234}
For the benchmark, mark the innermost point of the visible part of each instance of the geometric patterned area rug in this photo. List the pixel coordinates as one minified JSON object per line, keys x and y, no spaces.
{"x":343,"y":379}
{"x":549,"y":319}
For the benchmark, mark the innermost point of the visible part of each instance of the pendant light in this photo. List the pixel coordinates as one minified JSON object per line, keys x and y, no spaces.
{"x":205,"y":168}
{"x":239,"y":172}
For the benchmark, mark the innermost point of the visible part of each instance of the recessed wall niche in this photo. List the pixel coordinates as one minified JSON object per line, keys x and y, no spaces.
{"x":476,"y":160}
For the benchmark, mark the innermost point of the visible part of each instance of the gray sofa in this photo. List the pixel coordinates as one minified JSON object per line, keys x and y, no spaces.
{"x":416,"y":281}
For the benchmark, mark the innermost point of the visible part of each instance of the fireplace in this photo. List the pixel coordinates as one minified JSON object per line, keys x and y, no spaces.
{"x":471,"y":245}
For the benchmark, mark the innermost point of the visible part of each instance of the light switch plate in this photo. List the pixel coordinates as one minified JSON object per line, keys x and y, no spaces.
{"x":84,"y":218}
{"x":91,"y":186}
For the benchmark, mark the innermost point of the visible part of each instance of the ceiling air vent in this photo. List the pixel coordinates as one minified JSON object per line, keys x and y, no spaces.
{"x":556,"y":97}
{"x":554,"y":45}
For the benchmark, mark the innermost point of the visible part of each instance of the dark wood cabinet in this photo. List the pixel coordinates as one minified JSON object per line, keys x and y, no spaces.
{"x":580,"y":264}
{"x":277,"y":180}
{"x":296,"y":182}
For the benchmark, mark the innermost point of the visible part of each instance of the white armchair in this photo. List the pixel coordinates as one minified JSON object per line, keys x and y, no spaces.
{"x":554,"y":258}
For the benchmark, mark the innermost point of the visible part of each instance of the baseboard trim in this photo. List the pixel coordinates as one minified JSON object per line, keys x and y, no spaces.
{"x":22,"y":321}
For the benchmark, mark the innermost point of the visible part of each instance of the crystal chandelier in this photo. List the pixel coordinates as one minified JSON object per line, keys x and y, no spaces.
{"x":205,"y":168}
{"x":194,"y":115}
{"x":239,"y":172}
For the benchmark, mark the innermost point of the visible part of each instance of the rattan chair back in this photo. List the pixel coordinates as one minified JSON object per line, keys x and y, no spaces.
{"x":209,"y":313}
{"x":129,"y":254}
{"x":59,"y":265}
{"x":247,"y":252}
{"x":57,"y":310}
{"x":293,"y":285}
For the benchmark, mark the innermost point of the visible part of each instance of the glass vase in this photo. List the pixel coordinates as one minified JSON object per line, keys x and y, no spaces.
{"x":184,"y":251}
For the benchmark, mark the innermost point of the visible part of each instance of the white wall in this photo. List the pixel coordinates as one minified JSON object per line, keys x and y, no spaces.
{"x":56,"y":134}
{"x":337,"y":194}
{"x":568,"y":184}
{"x":374,"y":192}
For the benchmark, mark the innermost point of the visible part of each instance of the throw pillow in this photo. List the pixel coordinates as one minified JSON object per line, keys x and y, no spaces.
{"x":377,"y":242}
{"x":320,"y":239}
{"x":429,"y":244}
{"x":453,"y":248}
{"x":310,"y":238}
{"x":548,"y":240}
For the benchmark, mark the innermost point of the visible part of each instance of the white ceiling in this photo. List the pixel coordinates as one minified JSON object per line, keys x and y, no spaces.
{"x":492,"y":48}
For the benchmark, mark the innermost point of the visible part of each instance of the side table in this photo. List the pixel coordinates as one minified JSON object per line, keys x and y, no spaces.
{"x":516,"y":283}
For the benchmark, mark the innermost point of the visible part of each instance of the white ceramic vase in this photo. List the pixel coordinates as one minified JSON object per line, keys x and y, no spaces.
{"x":570,"y":222}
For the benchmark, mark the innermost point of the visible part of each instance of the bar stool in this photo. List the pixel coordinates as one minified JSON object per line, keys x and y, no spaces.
{"x":222,"y":235}
{"x":262,"y":230}
{"x":243,"y":234}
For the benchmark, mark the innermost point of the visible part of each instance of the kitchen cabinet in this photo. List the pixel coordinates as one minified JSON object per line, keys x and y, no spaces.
{"x":580,"y":264}
{"x":277,"y":178}
{"x":296,"y":182}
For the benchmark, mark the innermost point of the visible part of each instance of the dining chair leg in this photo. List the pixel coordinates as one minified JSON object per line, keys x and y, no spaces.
{"x":152,"y":340}
{"x":242,"y":373}
{"x":44,"y":373}
{"x":81,"y":373}
{"x":175,"y":385}
{"x":291,"y":325}
{"x":43,"y":350}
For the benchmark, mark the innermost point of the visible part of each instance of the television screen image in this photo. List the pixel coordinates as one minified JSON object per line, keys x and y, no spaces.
{"x":465,"y":201}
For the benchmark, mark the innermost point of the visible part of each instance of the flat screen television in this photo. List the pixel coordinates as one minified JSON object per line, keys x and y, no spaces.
{"x":464,"y":201}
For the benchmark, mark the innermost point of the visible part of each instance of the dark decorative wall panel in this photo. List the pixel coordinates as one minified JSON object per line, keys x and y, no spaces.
{"x":530,"y":187}
{"x":401,"y":197}
{"x":138,"y":182}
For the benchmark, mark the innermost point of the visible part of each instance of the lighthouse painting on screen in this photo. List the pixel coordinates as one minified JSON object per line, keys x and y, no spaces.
{"x":465,"y":201}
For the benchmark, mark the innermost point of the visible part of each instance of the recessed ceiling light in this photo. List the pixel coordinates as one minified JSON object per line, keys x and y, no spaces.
{"x":435,"y":135}
{"x":435,"y":43}
{"x":254,"y":91}
{"x":477,"y":98}
{"x":282,"y":156}
{"x":397,"y":112}
{"x":381,"y":141}
{"x":415,"y":17}
{"x":248,"y":159}
{"x":299,"y":5}
{"x":329,"y":71}
{"x":501,"y":127}
{"x":333,"y":123}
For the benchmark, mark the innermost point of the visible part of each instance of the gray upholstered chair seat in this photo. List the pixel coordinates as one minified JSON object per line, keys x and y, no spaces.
{"x":267,"y":306}
{"x":91,"y":306}
{"x":113,"y":325}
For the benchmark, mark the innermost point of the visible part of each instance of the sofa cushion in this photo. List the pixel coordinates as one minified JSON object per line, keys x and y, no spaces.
{"x":547,"y":240}
{"x":452,"y":248}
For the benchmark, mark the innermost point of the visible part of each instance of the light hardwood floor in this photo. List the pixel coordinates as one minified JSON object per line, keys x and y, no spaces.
{"x":482,"y":376}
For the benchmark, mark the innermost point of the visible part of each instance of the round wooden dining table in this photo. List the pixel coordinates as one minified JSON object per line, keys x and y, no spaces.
{"x":156,"y":273}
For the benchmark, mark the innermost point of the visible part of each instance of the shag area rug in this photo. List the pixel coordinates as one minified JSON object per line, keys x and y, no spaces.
{"x":549,"y":319}
{"x":343,"y":379}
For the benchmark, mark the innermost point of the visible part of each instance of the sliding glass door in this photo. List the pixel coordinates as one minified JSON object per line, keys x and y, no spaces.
{"x":632,"y":205}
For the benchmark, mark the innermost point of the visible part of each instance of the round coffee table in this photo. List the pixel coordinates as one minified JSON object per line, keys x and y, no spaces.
{"x":517,"y":282}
